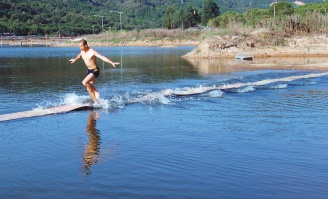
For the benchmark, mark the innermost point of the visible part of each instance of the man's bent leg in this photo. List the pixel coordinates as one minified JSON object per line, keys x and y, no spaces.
{"x":88,"y":82}
{"x":91,"y":89}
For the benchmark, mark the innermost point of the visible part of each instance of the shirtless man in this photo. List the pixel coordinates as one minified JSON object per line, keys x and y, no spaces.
{"x":89,"y":57}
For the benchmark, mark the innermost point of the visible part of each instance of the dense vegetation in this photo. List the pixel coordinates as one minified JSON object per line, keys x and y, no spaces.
{"x":283,"y":13}
{"x":76,"y":17}
{"x":243,"y":5}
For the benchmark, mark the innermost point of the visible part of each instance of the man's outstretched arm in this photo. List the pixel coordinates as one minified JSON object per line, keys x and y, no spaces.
{"x":74,"y":60}
{"x":105,"y":59}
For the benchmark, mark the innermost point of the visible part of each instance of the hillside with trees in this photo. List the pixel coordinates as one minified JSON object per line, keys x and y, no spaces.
{"x":283,"y":30}
{"x":77,"y":17}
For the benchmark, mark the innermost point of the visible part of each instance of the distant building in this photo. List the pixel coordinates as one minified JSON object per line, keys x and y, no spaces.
{"x":273,"y":2}
{"x":299,"y":3}
{"x":7,"y":34}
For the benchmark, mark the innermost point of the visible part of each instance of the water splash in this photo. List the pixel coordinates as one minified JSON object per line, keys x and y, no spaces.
{"x":246,"y":89}
{"x":278,"y":86}
{"x":74,"y":99}
{"x":149,"y":97}
{"x":65,"y":99}
{"x":215,"y":93}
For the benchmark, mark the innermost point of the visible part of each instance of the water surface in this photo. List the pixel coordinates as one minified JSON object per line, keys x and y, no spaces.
{"x":251,"y":142}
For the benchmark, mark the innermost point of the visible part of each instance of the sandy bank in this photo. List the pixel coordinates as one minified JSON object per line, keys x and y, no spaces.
{"x":227,"y":47}
{"x":230,"y":46}
{"x":162,"y":43}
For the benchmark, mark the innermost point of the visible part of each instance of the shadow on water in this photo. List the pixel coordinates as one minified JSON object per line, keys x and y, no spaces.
{"x":92,"y":148}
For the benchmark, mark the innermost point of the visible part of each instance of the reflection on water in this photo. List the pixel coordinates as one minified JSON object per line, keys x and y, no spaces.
{"x":214,"y":66}
{"x":92,"y":148}
{"x":291,"y":60}
{"x":228,"y":65}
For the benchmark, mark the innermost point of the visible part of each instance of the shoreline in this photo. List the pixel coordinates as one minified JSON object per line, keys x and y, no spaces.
{"x":73,"y":43}
{"x":230,"y":46}
{"x":221,"y":47}
{"x":312,"y":47}
{"x":161,"y":43}
{"x":207,"y":48}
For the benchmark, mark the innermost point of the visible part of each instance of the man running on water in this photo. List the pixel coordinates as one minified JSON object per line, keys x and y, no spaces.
{"x":89,"y":57}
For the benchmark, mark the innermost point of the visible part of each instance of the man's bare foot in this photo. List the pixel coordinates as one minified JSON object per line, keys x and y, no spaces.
{"x":96,"y":104}
{"x":97,"y":95}
{"x":95,"y":101}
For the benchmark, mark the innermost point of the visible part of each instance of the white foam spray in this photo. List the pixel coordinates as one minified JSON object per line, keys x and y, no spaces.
{"x":65,"y":99}
{"x":246,"y":89}
{"x":278,"y":86}
{"x":215,"y":93}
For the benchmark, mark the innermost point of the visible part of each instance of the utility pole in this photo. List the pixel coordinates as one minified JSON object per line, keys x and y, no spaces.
{"x":274,"y":8}
{"x":120,"y":18}
{"x":102,"y":21}
{"x":182,"y":16}
{"x":59,"y":36}
{"x":250,"y":7}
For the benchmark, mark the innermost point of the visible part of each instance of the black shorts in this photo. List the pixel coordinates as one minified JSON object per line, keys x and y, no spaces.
{"x":95,"y":71}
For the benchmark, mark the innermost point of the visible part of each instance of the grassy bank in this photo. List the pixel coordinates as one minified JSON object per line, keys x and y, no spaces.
{"x":148,"y":37}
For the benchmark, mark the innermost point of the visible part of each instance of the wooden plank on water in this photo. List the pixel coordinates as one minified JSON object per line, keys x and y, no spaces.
{"x":204,"y":89}
{"x":42,"y":112}
{"x":200,"y":90}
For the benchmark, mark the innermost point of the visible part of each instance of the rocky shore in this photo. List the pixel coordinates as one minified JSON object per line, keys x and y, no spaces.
{"x":230,"y":46}
{"x":312,"y":50}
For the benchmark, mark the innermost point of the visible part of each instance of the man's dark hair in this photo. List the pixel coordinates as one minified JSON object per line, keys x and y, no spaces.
{"x":83,"y":42}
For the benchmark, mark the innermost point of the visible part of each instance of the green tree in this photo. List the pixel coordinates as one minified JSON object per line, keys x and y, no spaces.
{"x":303,"y":10}
{"x":210,"y":11}
{"x":169,"y":17}
{"x":192,"y":16}
{"x":255,"y":15}
{"x":180,"y":18}
{"x":224,"y":19}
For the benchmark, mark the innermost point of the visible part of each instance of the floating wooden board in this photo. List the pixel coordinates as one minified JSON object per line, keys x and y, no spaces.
{"x":199,"y":90}
{"x":42,"y":112}
{"x":238,"y":85}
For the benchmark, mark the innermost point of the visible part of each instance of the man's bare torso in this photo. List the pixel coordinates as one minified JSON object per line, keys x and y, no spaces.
{"x":89,"y":58}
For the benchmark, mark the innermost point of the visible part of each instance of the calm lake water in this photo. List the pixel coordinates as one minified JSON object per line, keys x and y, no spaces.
{"x":254,"y":142}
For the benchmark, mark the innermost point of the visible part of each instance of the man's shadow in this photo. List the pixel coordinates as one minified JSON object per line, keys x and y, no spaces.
{"x":92,"y":148}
